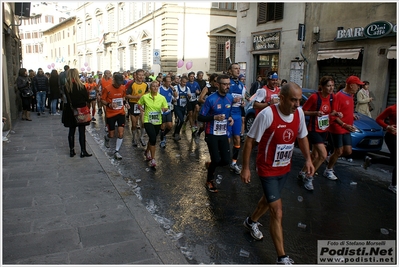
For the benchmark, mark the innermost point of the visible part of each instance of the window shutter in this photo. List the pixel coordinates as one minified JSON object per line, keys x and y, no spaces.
{"x":262,"y":9}
{"x":279,"y":11}
{"x":274,"y":11}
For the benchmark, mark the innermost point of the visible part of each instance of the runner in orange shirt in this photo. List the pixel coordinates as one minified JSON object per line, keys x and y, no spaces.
{"x":92,"y":89}
{"x":105,"y":81}
{"x":113,"y":97}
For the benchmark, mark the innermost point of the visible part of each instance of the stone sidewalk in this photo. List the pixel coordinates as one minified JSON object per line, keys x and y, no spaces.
{"x":63,"y":210}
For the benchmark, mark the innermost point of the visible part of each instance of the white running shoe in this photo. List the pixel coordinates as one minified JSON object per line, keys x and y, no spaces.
{"x":253,"y":228}
{"x":117,"y":155}
{"x":330,"y":174}
{"x":308,"y":183}
{"x":234,"y":167}
{"x":285,"y":261}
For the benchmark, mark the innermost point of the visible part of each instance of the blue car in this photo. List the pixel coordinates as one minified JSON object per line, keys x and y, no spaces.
{"x":368,"y":138}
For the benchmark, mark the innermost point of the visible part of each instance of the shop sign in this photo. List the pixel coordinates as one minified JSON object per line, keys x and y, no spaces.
{"x":266,"y":41}
{"x":378,"y":29}
{"x":374,"y":30}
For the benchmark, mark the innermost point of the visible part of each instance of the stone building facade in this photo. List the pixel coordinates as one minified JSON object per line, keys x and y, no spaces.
{"x":305,"y":41}
{"x":11,"y":62}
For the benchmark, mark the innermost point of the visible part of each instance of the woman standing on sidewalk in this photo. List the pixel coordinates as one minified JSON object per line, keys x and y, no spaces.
{"x":55,"y":92}
{"x":77,"y":97}
{"x":155,"y":104}
{"x":24,"y":84}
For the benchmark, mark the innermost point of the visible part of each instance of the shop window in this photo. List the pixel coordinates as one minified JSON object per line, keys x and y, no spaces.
{"x":270,"y":11}
{"x":266,"y":63}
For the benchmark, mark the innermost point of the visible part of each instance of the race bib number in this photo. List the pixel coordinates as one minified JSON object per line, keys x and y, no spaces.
{"x":183,"y":102}
{"x":323,"y":122}
{"x":117,"y":103}
{"x":193,"y":97}
{"x":92,"y":94}
{"x":283,"y":155}
{"x":220,"y":127}
{"x":154,"y":117}
{"x":170,"y":106}
{"x":238,"y":103}
{"x":136,"y":109}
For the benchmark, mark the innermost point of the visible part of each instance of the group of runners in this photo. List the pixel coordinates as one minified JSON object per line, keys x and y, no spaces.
{"x":217,"y":109}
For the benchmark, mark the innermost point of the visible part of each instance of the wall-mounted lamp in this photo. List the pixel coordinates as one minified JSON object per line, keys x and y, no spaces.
{"x":316,"y":32}
{"x":340,"y":28}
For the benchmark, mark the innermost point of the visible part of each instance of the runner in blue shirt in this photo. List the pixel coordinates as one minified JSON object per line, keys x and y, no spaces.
{"x":168,"y":92}
{"x":182,"y":95}
{"x":216,"y":114}
{"x":192,"y":106}
{"x":237,"y":91}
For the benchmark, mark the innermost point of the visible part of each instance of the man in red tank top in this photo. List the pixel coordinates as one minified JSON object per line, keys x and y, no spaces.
{"x":268,"y":94}
{"x":275,"y":129}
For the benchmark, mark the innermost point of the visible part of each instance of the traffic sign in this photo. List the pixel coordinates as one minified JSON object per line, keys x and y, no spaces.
{"x":156,"y":56}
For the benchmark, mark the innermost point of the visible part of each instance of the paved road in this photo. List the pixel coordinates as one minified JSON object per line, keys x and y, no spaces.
{"x":62,"y":210}
{"x":207,"y":227}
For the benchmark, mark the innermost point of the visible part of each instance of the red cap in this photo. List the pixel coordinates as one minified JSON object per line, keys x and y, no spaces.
{"x":354,"y":79}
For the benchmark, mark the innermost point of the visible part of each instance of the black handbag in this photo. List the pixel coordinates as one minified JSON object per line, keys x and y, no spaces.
{"x":27,"y":92}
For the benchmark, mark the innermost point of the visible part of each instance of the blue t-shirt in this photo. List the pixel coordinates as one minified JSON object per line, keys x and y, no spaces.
{"x":236,"y":90}
{"x":193,"y":87}
{"x":216,"y":104}
{"x":168,"y":94}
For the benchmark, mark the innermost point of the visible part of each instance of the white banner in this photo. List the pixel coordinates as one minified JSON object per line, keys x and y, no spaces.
{"x":359,"y":252}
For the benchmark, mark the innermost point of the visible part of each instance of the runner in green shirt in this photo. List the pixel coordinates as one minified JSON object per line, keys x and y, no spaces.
{"x":155,"y":104}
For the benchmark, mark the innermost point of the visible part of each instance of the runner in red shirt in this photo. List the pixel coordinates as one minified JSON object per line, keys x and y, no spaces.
{"x":275,"y":129}
{"x":268,"y":94}
{"x":340,"y":128}
{"x":318,"y":107}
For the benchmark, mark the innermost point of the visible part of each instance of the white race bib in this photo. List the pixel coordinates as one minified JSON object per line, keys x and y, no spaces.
{"x":117,"y":103}
{"x":136,"y":109}
{"x":323,"y":122}
{"x":154,"y":117}
{"x":92,"y":94}
{"x":183,"y":102}
{"x":238,"y":103}
{"x":283,"y":155}
{"x":220,"y":127}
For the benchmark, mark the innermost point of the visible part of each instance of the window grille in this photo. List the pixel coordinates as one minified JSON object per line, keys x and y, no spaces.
{"x":222,"y":63}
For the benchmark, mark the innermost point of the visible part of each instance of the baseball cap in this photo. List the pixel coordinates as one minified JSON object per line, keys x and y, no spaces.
{"x":273,"y":76}
{"x":118,"y":78}
{"x":354,"y":79}
{"x":240,"y":76}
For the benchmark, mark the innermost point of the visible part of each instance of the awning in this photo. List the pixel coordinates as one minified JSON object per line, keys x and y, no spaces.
{"x":341,"y":53}
{"x":391,"y":52}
